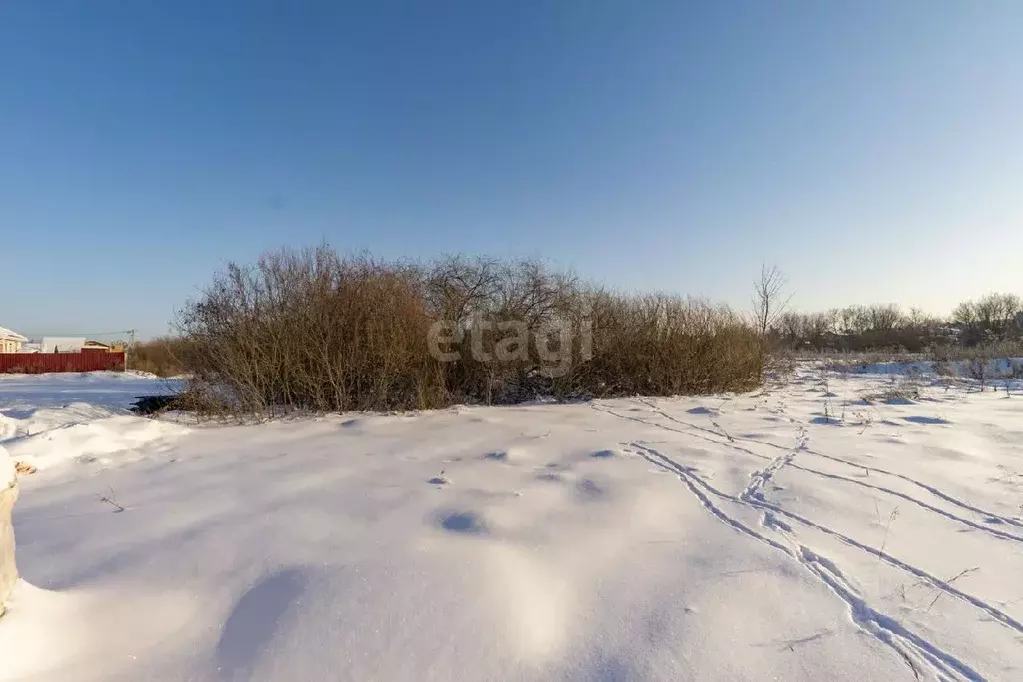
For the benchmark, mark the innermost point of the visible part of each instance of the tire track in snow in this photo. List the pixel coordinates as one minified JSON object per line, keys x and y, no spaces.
{"x":754,"y":499}
{"x":608,"y":410}
{"x":911,"y":648}
{"x":653,"y":406}
{"x":949,"y":515}
{"x":763,"y":506}
{"x":931,"y":489}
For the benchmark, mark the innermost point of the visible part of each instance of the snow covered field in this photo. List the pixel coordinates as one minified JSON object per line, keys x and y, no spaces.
{"x":48,"y":418}
{"x":796,"y":533}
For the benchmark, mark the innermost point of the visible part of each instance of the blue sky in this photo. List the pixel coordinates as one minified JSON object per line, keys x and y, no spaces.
{"x":874,"y":151}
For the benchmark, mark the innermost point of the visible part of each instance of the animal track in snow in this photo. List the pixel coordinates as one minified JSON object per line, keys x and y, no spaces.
{"x":463,"y":522}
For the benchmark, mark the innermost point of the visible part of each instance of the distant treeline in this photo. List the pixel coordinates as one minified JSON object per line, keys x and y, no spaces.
{"x":317,"y":330}
{"x":165,"y":356}
{"x":990,"y":319}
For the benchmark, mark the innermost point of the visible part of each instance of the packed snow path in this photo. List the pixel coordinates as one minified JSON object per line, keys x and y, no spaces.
{"x":796,"y":533}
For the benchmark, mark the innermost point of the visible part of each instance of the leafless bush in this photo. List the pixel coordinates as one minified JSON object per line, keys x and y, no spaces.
{"x":666,"y":345}
{"x":1007,"y":349}
{"x":483,"y":301}
{"x":992,"y":362}
{"x":311,"y":330}
{"x":894,"y":394}
{"x":164,"y":357}
{"x":1015,"y":370}
{"x":316,"y":331}
{"x":780,"y":365}
{"x":977,"y":369}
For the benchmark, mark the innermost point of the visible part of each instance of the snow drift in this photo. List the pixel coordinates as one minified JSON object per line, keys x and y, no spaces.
{"x":8,"y":496}
{"x":801,"y":532}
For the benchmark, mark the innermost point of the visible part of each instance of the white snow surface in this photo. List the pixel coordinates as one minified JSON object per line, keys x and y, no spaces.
{"x":7,"y":473}
{"x":48,"y":419}
{"x":794,"y":533}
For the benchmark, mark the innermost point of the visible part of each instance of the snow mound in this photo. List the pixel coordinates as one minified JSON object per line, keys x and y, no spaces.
{"x":8,"y":427}
{"x":46,"y":617}
{"x":19,"y":422}
{"x":48,"y":419}
{"x":7,"y":472}
{"x":92,"y":441}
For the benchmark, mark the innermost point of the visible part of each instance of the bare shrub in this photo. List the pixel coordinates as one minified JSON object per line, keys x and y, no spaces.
{"x":896,"y":393}
{"x":484,"y":302}
{"x":667,"y":345}
{"x":1015,"y":369}
{"x":943,"y":368}
{"x":1007,"y":349}
{"x":313,"y":330}
{"x":977,"y":369}
{"x":780,"y":365}
{"x":165,"y":356}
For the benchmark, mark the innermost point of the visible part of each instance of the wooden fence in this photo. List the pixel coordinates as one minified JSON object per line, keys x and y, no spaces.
{"x":44,"y":363}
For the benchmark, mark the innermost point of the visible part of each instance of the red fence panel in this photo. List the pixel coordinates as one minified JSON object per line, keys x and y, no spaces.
{"x":44,"y":363}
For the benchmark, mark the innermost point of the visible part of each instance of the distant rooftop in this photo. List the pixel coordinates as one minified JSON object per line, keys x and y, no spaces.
{"x":6,"y":333}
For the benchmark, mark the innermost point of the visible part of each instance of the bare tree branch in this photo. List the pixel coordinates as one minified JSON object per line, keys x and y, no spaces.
{"x":769,"y":298}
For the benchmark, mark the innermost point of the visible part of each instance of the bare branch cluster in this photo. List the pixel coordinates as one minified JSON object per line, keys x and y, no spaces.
{"x":315,"y":330}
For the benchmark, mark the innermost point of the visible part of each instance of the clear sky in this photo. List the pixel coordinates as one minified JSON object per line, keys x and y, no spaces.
{"x":873,"y":150}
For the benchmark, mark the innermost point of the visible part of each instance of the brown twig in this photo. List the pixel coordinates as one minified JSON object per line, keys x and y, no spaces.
{"x":949,"y":582}
{"x":112,"y":502}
